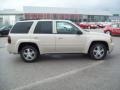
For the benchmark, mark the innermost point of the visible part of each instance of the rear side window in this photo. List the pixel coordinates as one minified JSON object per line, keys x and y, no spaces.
{"x":21,"y":27}
{"x":44,"y":27}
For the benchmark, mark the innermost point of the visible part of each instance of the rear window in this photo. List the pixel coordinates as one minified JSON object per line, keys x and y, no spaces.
{"x":43,"y":27}
{"x":21,"y":27}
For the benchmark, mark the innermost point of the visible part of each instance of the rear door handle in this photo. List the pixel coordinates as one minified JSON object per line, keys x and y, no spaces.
{"x":60,"y":38}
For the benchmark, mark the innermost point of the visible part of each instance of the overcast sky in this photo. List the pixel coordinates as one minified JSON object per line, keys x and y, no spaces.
{"x":82,"y":4}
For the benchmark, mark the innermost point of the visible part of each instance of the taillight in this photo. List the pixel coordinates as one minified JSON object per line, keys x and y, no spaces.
{"x":9,"y":39}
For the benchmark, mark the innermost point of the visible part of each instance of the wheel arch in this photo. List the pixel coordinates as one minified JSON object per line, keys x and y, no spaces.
{"x":27,"y":43}
{"x":95,"y":42}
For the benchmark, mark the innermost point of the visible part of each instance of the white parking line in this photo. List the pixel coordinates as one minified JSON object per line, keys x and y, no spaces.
{"x":50,"y":79}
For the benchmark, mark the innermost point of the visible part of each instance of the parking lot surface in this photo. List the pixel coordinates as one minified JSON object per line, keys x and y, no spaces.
{"x":60,"y":71}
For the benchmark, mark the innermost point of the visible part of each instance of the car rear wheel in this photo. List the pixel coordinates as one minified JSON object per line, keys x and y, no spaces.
{"x":98,"y":51}
{"x":29,"y":53}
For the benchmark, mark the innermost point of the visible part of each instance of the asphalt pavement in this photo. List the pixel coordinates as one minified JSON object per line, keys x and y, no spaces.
{"x":60,"y":71}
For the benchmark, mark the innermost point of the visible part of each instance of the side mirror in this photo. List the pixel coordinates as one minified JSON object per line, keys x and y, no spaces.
{"x":79,"y":32}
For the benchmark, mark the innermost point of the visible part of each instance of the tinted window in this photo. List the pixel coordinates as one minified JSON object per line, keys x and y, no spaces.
{"x":21,"y":27}
{"x":44,"y":27}
{"x":66,"y":28}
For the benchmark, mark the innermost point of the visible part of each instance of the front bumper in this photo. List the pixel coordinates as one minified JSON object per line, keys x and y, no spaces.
{"x":111,"y":46}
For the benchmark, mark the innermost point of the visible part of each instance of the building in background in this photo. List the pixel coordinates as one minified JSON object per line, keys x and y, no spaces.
{"x":115,"y":18}
{"x":10,"y":16}
{"x":72,"y":14}
{"x":1,"y":20}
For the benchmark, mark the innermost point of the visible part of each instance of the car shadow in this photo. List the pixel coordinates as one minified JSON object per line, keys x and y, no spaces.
{"x":63,"y":57}
{"x":57,"y":57}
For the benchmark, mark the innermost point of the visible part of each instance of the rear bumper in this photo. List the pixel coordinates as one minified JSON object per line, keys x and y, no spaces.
{"x":11,"y":49}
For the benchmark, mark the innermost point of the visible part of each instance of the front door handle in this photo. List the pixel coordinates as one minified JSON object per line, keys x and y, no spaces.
{"x":60,"y":38}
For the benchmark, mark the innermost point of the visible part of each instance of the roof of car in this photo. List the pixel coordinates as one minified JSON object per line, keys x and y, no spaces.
{"x":42,"y":20}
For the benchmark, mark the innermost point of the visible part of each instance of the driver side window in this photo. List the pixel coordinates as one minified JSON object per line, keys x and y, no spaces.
{"x":65,"y":28}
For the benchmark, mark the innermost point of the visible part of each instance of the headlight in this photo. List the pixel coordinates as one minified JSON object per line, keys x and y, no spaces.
{"x":111,"y":39}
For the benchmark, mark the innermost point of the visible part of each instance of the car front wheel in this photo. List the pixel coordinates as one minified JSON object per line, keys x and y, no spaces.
{"x":98,"y":51}
{"x":29,"y":53}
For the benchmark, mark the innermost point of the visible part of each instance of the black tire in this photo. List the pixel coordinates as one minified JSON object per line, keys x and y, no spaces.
{"x":29,"y":53}
{"x":98,"y":55}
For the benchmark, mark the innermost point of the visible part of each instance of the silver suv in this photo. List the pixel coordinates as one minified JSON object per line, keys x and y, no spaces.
{"x":34,"y":37}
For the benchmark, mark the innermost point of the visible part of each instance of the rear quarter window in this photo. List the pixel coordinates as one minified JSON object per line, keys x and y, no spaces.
{"x":21,"y":27}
